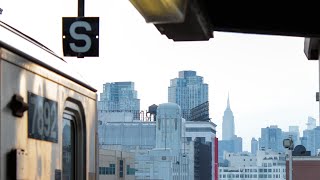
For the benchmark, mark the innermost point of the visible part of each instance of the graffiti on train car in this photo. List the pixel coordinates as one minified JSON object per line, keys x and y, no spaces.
{"x":42,"y":118}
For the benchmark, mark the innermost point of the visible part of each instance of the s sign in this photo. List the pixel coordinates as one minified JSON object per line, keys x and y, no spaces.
{"x":80,"y":36}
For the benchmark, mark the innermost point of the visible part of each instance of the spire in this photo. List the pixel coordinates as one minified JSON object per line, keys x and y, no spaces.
{"x":228,"y":102}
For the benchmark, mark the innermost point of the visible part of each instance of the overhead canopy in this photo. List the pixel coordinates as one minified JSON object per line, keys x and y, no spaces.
{"x":203,"y":17}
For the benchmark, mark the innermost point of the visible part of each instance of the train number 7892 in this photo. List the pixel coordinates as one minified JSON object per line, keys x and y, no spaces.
{"x":42,"y":118}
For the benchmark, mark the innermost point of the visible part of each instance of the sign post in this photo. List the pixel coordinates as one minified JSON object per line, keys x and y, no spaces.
{"x":80,"y":8}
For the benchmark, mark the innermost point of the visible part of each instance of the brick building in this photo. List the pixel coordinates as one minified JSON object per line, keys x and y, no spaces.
{"x":304,"y":168}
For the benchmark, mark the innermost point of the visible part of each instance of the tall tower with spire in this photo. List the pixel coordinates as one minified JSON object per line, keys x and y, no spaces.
{"x":228,"y":123}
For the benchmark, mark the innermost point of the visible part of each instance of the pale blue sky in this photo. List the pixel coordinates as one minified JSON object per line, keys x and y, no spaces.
{"x":269,"y":78}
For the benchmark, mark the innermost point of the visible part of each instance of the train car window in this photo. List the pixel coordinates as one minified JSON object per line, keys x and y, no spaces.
{"x":68,"y":147}
{"x":74,"y":165}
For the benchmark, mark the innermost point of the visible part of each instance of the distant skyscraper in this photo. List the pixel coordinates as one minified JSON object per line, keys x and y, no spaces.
{"x":237,"y":144}
{"x":271,"y":138}
{"x":230,"y":142}
{"x":311,"y":140}
{"x":294,"y":129}
{"x":229,"y":146}
{"x":311,"y":123}
{"x":225,"y":146}
{"x":119,"y":97}
{"x":294,"y":134}
{"x":228,"y":123}
{"x":188,"y":91}
{"x":254,"y":146}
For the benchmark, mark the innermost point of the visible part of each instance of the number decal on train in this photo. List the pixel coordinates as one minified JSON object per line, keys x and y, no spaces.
{"x":42,"y":118}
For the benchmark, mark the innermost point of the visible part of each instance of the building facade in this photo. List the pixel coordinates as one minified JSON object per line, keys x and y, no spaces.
{"x":265,"y":165}
{"x":254,"y":146}
{"x":168,"y":160}
{"x":118,"y":97}
{"x":129,"y":135}
{"x":188,"y":91}
{"x":202,"y":135}
{"x":116,"y":165}
{"x":312,"y":123}
{"x":305,"y":168}
{"x":311,"y":140}
{"x":271,"y":138}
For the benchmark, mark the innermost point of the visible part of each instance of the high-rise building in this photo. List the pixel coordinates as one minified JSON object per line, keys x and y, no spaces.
{"x":311,"y":123}
{"x":294,"y":136}
{"x":312,"y":140}
{"x":271,"y":138}
{"x":254,"y":146}
{"x":119,"y":97}
{"x":188,"y":91}
{"x":230,"y":142}
{"x":237,"y":144}
{"x":228,"y":123}
{"x":294,"y":129}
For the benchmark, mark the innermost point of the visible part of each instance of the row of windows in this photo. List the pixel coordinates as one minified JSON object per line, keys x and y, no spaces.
{"x":203,"y":129}
{"x":251,"y":176}
{"x":253,"y":170}
{"x":112,"y":170}
{"x":108,"y":170}
{"x":273,"y":164}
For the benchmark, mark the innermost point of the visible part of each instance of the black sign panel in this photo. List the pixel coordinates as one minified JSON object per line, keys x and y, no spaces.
{"x":42,"y":118}
{"x":80,"y":36}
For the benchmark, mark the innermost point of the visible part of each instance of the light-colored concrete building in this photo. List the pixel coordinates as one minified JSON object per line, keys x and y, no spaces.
{"x":130,"y":135}
{"x":167,"y":161}
{"x":243,"y":159}
{"x":116,"y":165}
{"x":170,"y":148}
{"x":265,"y":165}
{"x":206,"y":131}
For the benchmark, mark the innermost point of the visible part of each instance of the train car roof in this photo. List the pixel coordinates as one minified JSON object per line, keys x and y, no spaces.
{"x":25,"y":46}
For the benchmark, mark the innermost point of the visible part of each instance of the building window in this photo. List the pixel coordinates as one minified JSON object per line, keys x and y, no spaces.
{"x":111,"y":170}
{"x":175,"y":123}
{"x":68,"y":149}
{"x":130,"y":171}
{"x":121,"y":168}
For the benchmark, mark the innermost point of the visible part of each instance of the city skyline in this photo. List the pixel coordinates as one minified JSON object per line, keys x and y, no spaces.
{"x":245,"y":146}
{"x":269,"y":78}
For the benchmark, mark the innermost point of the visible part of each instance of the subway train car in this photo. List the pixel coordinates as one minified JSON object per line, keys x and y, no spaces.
{"x":48,"y":128}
